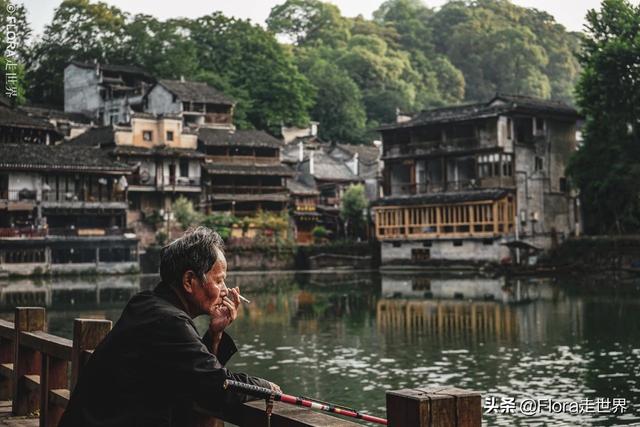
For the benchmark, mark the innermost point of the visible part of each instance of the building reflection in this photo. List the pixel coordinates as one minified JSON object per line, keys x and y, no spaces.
{"x":473,"y":309}
{"x":68,"y":292}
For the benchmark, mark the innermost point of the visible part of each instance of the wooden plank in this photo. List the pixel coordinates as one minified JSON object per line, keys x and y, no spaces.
{"x":6,"y":370}
{"x":27,"y":361}
{"x":6,"y":329}
{"x":253,"y":414}
{"x":32,"y":382}
{"x":59,"y":397}
{"x":54,"y":376}
{"x":43,"y":342}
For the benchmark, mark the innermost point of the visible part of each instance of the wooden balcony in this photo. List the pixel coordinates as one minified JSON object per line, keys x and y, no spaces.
{"x":481,"y":219}
{"x":244,"y":160}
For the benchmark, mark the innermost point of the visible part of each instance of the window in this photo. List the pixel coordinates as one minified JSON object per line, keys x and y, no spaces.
{"x":457,"y":243}
{"x":563,"y":185}
{"x":397,"y":244}
{"x":538,"y":165}
{"x":169,"y":135}
{"x":147,"y":135}
{"x":184,"y":167}
{"x":495,"y":165}
{"x":509,"y":124}
{"x":539,"y":125}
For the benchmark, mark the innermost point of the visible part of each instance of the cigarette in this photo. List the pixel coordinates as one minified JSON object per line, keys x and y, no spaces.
{"x":241,"y":299}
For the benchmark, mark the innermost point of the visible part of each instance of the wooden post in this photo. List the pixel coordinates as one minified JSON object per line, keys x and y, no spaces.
{"x":87,"y":334}
{"x":434,"y":407}
{"x":26,"y":361}
{"x":53,"y":377}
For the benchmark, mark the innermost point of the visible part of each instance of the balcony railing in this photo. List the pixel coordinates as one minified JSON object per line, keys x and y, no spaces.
{"x":246,"y":189}
{"x":28,"y":232}
{"x":170,"y":181}
{"x":244,"y":160}
{"x":61,"y":196}
{"x":488,"y":218}
{"x":451,"y":186}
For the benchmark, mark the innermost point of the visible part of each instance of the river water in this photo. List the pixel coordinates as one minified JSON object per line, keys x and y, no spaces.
{"x":347,"y":337}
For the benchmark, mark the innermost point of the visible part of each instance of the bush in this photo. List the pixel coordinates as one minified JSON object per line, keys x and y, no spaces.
{"x":319,"y":232}
{"x":161,"y":238}
{"x":185,"y":214}
{"x":221,"y":223}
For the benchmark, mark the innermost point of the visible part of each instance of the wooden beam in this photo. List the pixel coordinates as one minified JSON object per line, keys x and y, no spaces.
{"x":87,"y":334}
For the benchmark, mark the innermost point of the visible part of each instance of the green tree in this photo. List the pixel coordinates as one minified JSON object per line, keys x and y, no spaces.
{"x":161,"y":47}
{"x":606,"y":169}
{"x":338,"y":101}
{"x":254,"y":69}
{"x":82,"y":31}
{"x":308,"y":22}
{"x":352,"y":205}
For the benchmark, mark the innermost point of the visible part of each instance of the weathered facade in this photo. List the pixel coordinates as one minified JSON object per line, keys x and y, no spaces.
{"x":108,"y":94}
{"x":16,"y":126}
{"x":63,"y":209}
{"x":304,"y":212}
{"x":462,"y":183}
{"x":163,"y":157}
{"x":197,"y":103}
{"x":242,"y":172}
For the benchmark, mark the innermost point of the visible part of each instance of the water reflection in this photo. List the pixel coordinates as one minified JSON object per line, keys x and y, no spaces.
{"x":347,"y":337}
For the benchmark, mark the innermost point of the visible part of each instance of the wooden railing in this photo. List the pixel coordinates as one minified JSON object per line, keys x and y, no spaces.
{"x":34,"y":373}
{"x":34,"y":365}
{"x":488,"y":218}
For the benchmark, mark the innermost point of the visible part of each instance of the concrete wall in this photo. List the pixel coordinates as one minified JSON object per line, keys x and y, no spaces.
{"x":81,"y":91}
{"x":160,"y":101}
{"x":471,"y":250}
{"x":158,"y":129}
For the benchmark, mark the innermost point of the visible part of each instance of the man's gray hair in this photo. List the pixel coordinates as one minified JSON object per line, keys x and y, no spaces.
{"x":196,"y":250}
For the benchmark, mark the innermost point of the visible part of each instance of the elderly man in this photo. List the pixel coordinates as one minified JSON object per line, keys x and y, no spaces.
{"x":153,"y":367}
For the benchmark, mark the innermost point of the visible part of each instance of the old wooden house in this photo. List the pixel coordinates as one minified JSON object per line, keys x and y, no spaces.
{"x":197,"y":103}
{"x":466,"y":182}
{"x":242,"y":173}
{"x":106,"y":93}
{"x":163,"y":156}
{"x":63,"y":209}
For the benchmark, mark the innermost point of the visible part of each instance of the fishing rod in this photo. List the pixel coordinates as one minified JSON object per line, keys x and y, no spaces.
{"x":308,"y":402}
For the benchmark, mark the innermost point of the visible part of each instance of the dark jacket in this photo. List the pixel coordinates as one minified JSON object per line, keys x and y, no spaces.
{"x":150,"y":368}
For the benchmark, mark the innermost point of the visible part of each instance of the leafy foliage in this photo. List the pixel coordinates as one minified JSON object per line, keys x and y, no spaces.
{"x":607,"y":167}
{"x":353,"y":203}
{"x":185,"y":214}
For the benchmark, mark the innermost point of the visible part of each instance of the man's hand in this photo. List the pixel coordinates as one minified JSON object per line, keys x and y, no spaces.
{"x":275,"y":387}
{"x":223,"y":315}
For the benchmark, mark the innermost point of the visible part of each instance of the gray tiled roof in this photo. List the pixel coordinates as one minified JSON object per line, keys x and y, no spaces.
{"x":300,"y":189}
{"x":58,"y":157}
{"x":238,"y":138}
{"x":94,"y":137}
{"x":500,"y":104}
{"x":329,"y":169}
{"x":114,"y":68}
{"x":188,"y":91}
{"x":15,"y":117}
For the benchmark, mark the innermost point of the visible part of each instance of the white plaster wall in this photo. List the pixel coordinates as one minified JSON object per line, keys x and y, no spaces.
{"x":160,"y":101}
{"x":23,"y":180}
{"x":81,"y":91}
{"x":471,"y":250}
{"x":194,"y":169}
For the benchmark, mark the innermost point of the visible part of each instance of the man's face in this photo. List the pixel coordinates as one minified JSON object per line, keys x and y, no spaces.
{"x":207,"y":295}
